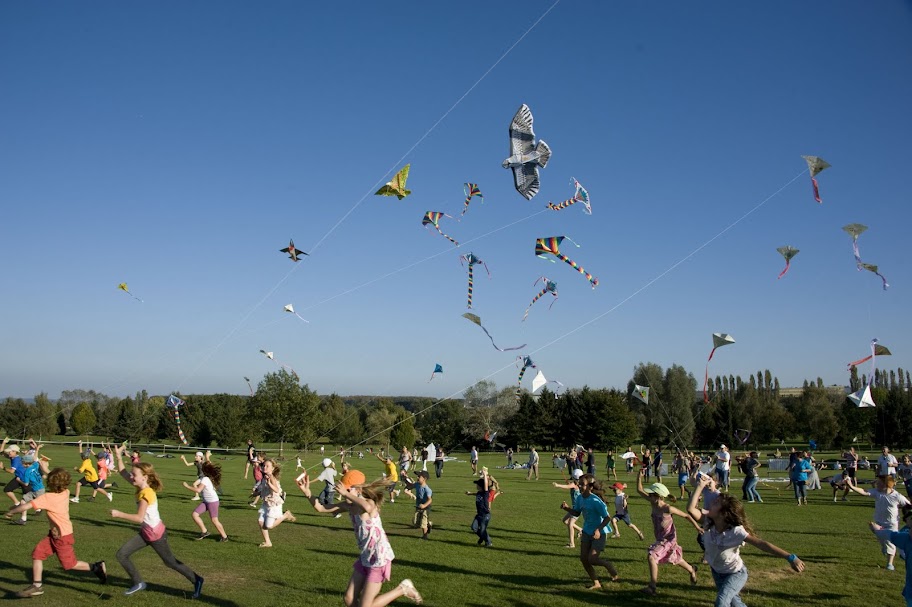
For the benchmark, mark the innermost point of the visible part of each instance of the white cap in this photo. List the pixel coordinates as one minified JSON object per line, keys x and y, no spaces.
{"x":577,"y":473}
{"x":327,"y":462}
{"x":200,"y":454}
{"x":723,"y":447}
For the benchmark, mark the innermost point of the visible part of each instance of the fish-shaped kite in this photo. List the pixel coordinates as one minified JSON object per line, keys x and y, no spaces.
{"x":471,"y":259}
{"x":550,"y":245}
{"x":815,"y":165}
{"x":396,"y":186}
{"x":290,"y":309}
{"x":437,"y":369}
{"x":174,"y":404}
{"x":477,"y":320}
{"x":549,"y":287}
{"x":540,"y":381}
{"x":123,"y":287}
{"x":581,"y":195}
{"x":862,"y":398}
{"x":293,"y":253}
{"x":719,"y":340}
{"x":787,"y":252}
{"x":855,"y":230}
{"x":641,"y":393}
{"x":433,"y":218}
{"x":523,"y":362}
{"x":471,"y":189}
{"x":525,"y":155}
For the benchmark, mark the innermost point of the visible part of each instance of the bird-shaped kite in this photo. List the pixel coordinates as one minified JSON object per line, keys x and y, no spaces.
{"x":396,"y":186}
{"x":862,"y":398}
{"x":290,"y":309}
{"x":550,"y":246}
{"x":549,"y":287}
{"x":581,"y":195}
{"x":174,"y":404}
{"x":855,"y":230}
{"x":293,"y":253}
{"x":523,"y":362}
{"x":815,"y":165}
{"x":437,"y":369}
{"x":525,"y":155}
{"x":471,"y":259}
{"x":433,"y":218}
{"x":123,"y":287}
{"x":471,"y":189}
{"x":787,"y":252}
{"x":641,"y":393}
{"x":540,"y":381}
{"x":719,"y":340}
{"x":477,"y":320}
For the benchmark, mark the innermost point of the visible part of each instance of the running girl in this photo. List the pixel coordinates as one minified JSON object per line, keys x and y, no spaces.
{"x":596,"y":528}
{"x":271,"y":515}
{"x":569,"y":519}
{"x":207,"y":486}
{"x":887,"y":503}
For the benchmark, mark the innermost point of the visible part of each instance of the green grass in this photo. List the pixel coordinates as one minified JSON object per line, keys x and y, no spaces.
{"x":311,"y":560}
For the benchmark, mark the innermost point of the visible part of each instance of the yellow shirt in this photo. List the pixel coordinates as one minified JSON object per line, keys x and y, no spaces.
{"x":88,"y":470}
{"x":151,"y":517}
{"x":391,"y":473}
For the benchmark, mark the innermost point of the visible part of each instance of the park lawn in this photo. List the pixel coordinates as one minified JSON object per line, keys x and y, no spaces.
{"x":528,"y":565}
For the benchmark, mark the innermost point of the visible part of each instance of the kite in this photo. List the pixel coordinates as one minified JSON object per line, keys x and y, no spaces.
{"x":550,"y":246}
{"x":437,"y":369}
{"x":629,"y":455}
{"x":742,"y":435}
{"x":271,"y":357}
{"x":247,"y":379}
{"x":540,"y":380}
{"x":477,"y":320}
{"x":396,"y":187}
{"x":525,"y":157}
{"x":174,"y":404}
{"x":470,"y":189}
{"x":433,"y":218}
{"x":862,"y":398}
{"x":526,"y":363}
{"x":472,"y":260}
{"x":641,"y":393}
{"x":293,"y":253}
{"x":787,"y":252}
{"x":855,"y":230}
{"x":815,"y":165}
{"x":290,"y":308}
{"x":812,"y":444}
{"x":123,"y":287}
{"x":876,"y":350}
{"x":719,"y":340}
{"x":581,"y":195}
{"x":549,"y":287}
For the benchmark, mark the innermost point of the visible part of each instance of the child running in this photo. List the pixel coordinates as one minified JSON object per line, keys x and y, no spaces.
{"x":270,"y":515}
{"x":207,"y":486}
{"x":597,"y":526}
{"x":903,"y":540}
{"x":887,"y":503}
{"x":59,"y":539}
{"x":375,"y":563}
{"x":198,"y":460}
{"x":726,"y":531}
{"x":90,"y":477}
{"x":152,"y":530}
{"x":666,"y":548}
{"x":482,"y":509}
{"x":391,"y":475}
{"x":423,"y":502}
{"x":569,"y":519}
{"x":621,"y":513}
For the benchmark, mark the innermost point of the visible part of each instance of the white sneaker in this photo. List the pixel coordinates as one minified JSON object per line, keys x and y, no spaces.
{"x":110,"y":497}
{"x":196,"y":498}
{"x":75,"y":500}
{"x":409,"y":591}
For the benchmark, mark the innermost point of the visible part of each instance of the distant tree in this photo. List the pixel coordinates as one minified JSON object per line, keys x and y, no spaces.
{"x":350,"y":430}
{"x":226,"y":417}
{"x":403,"y":433}
{"x":61,"y":422}
{"x":442,"y":423}
{"x":289,"y":411}
{"x":380,"y":422}
{"x":612,"y":422}
{"x":43,"y":416}
{"x":333,"y":409}
{"x":82,"y":419}
{"x":15,"y":417}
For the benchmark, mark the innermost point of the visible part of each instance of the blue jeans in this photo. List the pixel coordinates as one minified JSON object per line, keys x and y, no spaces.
{"x":750,"y":487}
{"x":729,"y":586}
{"x":480,"y":526}
{"x":723,"y":478}
{"x":800,"y":490}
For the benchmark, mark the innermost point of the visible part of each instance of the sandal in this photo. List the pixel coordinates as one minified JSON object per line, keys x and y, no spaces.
{"x":693,"y":577}
{"x":265,"y":545}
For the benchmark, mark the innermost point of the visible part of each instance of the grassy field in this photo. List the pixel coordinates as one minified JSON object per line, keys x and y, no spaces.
{"x":528,"y":565}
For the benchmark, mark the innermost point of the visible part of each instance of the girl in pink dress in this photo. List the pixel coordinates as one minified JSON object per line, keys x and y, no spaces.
{"x":666,"y":548}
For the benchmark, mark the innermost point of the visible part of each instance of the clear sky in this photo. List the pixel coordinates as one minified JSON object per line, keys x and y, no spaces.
{"x":177,"y":146}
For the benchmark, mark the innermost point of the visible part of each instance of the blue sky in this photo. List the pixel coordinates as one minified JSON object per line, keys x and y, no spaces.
{"x":178,"y":146}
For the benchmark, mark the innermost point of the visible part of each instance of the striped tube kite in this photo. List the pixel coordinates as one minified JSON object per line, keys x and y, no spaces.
{"x":433,"y":218}
{"x":471,"y":259}
{"x":437,"y":369}
{"x":787,"y":252}
{"x":719,"y":340}
{"x":396,"y":186}
{"x":470,"y":189}
{"x":815,"y":165}
{"x":581,"y":195}
{"x":550,"y":245}
{"x":524,"y":362}
{"x":549,"y":287}
{"x":855,"y":230}
{"x":123,"y":287}
{"x":477,"y":320}
{"x":174,"y":404}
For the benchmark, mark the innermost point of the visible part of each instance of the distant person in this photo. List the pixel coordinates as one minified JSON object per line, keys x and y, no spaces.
{"x":533,"y":464}
{"x":723,"y":467}
{"x":438,"y":461}
{"x":851,"y":462}
{"x":590,"y":462}
{"x":886,"y":463}
{"x":473,"y":459}
{"x":610,"y":466}
{"x":657,"y":464}
{"x":251,"y":457}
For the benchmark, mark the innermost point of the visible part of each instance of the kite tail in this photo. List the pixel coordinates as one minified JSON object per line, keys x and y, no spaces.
{"x":886,"y":285}
{"x":562,"y":205}
{"x":706,"y":381}
{"x":534,"y":299}
{"x":859,"y":361}
{"x":857,"y":254}
{"x":816,"y":189}
{"x":469,"y":305}
{"x":782,"y":273}
{"x":180,"y":432}
{"x":447,"y":237}
{"x":579,"y":269}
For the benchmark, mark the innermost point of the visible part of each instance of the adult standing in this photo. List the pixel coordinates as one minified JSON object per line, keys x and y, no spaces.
{"x":533,"y":464}
{"x":723,"y":467}
{"x":509,"y":457}
{"x":886,"y":463}
{"x":590,"y":462}
{"x":473,"y":459}
{"x":800,"y":477}
{"x":438,"y":461}
{"x":750,"y":465}
{"x":611,"y":471}
{"x":851,"y":463}
{"x":251,"y":457}
{"x":657,"y":464}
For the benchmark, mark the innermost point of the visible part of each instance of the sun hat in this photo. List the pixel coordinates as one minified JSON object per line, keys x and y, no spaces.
{"x":327,"y":462}
{"x":657,"y":488}
{"x":12,"y":448}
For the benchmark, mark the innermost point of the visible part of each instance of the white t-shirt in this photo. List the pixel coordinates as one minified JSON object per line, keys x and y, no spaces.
{"x":208,"y":494}
{"x":724,"y":460}
{"x":887,"y":464}
{"x":886,"y":507}
{"x":328,"y":476}
{"x":723,"y":549}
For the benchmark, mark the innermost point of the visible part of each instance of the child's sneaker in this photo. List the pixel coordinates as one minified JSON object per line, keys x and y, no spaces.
{"x":31,"y":591}
{"x":75,"y":500}
{"x":197,"y":587}
{"x":202,"y":536}
{"x":890,"y":567}
{"x":100,"y":570}
{"x":110,"y":497}
{"x":135,"y":589}
{"x":409,"y":591}
{"x":195,"y":498}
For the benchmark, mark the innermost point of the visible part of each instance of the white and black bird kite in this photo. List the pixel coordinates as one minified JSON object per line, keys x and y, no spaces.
{"x":525,"y":155}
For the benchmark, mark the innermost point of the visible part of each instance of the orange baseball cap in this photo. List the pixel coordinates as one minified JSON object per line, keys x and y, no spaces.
{"x":352,"y":477}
